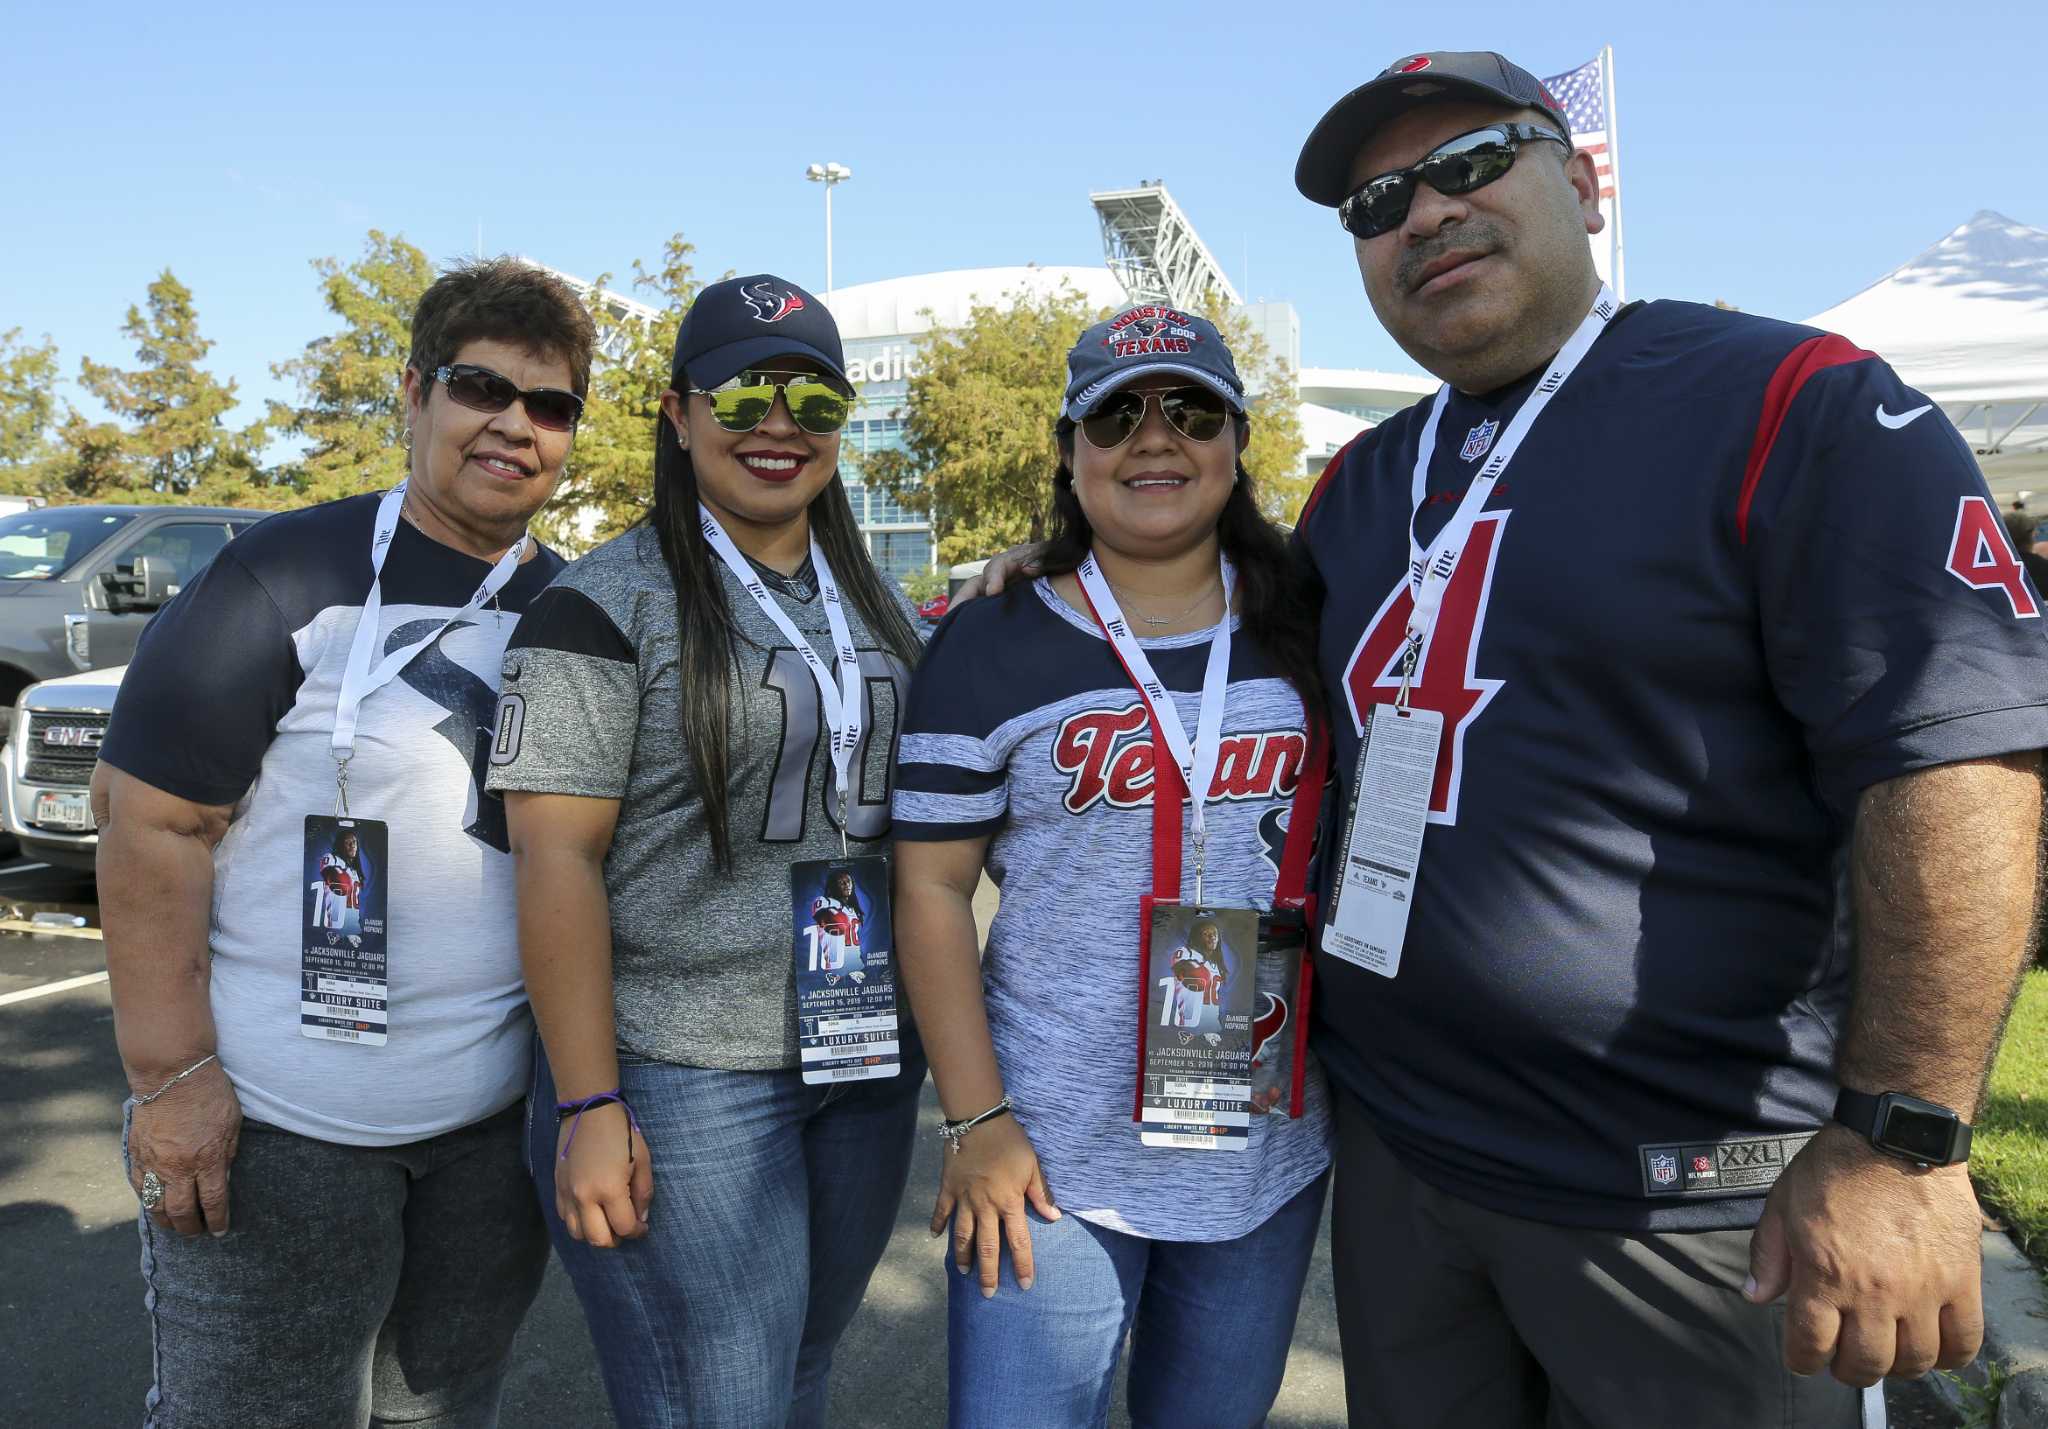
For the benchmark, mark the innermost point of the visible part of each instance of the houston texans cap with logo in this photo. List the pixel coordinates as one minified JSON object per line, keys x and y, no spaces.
{"x":1323,"y":172}
{"x":1142,"y":341}
{"x":739,"y":322}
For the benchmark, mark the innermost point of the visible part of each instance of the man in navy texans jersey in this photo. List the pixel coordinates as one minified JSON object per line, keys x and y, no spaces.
{"x":1729,"y":852}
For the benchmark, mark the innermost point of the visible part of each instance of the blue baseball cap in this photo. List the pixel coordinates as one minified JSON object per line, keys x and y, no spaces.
{"x":1142,"y":341}
{"x":741,"y":321}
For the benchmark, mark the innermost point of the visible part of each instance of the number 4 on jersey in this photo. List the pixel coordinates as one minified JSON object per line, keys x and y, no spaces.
{"x":1981,"y":557}
{"x":1444,"y":680}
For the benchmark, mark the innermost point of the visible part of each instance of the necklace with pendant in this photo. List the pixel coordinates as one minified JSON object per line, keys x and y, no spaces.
{"x":1157,"y":620}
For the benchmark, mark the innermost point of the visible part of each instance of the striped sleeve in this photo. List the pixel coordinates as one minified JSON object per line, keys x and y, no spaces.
{"x":951,"y":783}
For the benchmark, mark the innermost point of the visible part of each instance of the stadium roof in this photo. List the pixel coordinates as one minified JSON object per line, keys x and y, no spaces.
{"x":897,"y":306}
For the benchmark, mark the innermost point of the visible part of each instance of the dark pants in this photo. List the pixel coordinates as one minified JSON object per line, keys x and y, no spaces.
{"x":360,"y":1285}
{"x":1452,"y":1316}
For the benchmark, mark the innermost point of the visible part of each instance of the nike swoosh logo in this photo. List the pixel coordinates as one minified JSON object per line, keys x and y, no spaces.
{"x":1886,"y":419}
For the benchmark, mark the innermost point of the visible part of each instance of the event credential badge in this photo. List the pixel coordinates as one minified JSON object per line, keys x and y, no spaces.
{"x":845,"y":972}
{"x":1200,"y":981}
{"x":344,"y":977}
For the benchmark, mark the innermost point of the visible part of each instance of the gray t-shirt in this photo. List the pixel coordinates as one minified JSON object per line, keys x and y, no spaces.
{"x":701,"y":961}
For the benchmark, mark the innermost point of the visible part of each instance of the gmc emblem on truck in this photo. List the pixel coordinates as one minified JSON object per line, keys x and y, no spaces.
{"x":71,"y":736}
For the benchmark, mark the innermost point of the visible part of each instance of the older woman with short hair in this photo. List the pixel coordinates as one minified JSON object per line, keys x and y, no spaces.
{"x":309,"y":916}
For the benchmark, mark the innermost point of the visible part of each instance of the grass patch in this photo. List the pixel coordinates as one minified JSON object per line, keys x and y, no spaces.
{"x":2009,"y":1155}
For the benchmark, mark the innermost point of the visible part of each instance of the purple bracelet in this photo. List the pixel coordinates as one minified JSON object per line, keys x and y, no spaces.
{"x":573,"y":1112}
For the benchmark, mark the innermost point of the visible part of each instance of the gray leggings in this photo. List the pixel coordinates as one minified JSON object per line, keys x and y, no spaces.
{"x":360,"y":1285}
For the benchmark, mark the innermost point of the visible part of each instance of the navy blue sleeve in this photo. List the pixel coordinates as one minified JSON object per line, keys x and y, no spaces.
{"x":1899,"y":627}
{"x":951,"y":783}
{"x":213,"y":675}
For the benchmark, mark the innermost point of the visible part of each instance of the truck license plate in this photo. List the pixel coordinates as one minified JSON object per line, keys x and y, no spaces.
{"x":70,"y":812}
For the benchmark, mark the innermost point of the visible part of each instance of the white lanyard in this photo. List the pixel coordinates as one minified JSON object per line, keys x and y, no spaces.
{"x":1429,"y":572}
{"x":1197,"y":761}
{"x":846,"y":706}
{"x":360,"y":679}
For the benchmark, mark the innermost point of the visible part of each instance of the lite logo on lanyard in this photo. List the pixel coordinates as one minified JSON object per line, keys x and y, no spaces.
{"x":1398,"y":744}
{"x":841,"y":928}
{"x":344,"y":961}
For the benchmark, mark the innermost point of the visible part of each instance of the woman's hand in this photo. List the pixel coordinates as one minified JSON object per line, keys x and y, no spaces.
{"x":604,"y":1179}
{"x":188,"y":1138}
{"x":1017,"y":563}
{"x":984,"y":1188}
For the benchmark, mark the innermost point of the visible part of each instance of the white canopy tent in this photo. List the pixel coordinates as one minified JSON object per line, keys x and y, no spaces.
{"x":1966,"y":322}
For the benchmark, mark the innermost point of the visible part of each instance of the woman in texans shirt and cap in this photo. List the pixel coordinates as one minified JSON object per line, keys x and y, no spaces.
{"x":1045,"y":740}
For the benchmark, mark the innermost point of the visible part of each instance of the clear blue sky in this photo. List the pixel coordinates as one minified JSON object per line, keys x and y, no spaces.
{"x":1780,"y":156}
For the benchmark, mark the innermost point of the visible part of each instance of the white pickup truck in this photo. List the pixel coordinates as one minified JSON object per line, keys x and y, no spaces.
{"x":52,"y":745}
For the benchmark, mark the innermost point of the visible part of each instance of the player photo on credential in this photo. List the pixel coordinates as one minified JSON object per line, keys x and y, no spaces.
{"x":841,"y":940}
{"x":1199,"y":989}
{"x":344,"y":976}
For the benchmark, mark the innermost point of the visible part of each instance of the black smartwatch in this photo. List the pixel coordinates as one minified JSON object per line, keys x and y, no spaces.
{"x":1925,"y":1133}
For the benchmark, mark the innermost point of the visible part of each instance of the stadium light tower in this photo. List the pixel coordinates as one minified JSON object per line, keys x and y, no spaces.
{"x":1154,"y":251}
{"x":828,"y":175}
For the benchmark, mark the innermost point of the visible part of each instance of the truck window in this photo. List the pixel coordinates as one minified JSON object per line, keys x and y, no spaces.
{"x":42,"y":545}
{"x":185,"y":546}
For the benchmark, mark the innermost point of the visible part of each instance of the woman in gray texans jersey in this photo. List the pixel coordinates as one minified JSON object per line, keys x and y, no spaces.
{"x":667,"y":759}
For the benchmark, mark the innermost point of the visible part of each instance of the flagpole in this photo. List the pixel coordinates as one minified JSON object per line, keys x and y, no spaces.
{"x":1614,"y":166}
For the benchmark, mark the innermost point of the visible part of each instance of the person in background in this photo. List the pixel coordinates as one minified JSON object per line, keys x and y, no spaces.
{"x":676,"y":775}
{"x":325,"y":1132}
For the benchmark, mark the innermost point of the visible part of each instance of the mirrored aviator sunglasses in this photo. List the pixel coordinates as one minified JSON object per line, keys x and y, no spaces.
{"x":482,"y":390}
{"x":1457,"y":166}
{"x":743,"y":403}
{"x":1197,"y":413}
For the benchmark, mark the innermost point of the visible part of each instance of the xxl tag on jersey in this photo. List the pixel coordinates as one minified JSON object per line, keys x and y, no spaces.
{"x":845,"y":969}
{"x":1383,"y":838}
{"x":344,"y":977}
{"x":1201,"y":977}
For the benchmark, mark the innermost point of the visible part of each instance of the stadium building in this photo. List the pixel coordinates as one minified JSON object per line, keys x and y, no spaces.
{"x":1151,"y":254}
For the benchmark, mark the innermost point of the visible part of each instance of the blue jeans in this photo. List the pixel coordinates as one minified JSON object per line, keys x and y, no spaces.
{"x":773,"y":1202}
{"x":1209,"y":1322}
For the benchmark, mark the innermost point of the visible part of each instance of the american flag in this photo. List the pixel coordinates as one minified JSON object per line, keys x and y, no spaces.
{"x":1582,"y":95}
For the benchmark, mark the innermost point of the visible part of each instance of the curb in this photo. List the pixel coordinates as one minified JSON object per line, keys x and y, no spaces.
{"x":2015,"y":1339}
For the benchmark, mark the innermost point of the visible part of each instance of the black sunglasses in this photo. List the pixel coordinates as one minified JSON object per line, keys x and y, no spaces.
{"x":1197,"y":413}
{"x":482,"y":390}
{"x":1457,"y":166}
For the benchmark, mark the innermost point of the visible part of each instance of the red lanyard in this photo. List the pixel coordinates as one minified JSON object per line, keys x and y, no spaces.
{"x":1290,"y":890}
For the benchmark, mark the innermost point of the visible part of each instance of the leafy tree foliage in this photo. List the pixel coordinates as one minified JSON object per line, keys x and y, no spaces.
{"x":170,"y":439}
{"x":352,"y":412}
{"x":28,"y":413}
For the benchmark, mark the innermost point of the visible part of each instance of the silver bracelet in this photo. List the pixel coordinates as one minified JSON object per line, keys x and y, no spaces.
{"x":952,"y":1132}
{"x":145,"y":1101}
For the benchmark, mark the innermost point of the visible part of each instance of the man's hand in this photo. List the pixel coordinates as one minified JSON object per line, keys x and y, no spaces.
{"x":1018,"y":561}
{"x":1879,"y":1263}
{"x":188,"y":1136}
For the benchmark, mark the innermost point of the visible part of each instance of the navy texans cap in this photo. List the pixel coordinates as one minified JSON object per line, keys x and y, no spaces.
{"x":1323,"y":172}
{"x":741,"y":321}
{"x":1139,"y":342}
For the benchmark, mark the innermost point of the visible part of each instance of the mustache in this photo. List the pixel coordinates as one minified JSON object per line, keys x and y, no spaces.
{"x":1474,"y":236}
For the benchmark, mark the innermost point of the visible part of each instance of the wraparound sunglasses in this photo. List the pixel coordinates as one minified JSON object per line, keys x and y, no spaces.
{"x":1457,"y":166}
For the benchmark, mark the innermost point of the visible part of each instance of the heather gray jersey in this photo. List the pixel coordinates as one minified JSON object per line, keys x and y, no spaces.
{"x":701,"y":964}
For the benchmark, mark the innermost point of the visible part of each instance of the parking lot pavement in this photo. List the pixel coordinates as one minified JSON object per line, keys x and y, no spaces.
{"x":77,"y":1343}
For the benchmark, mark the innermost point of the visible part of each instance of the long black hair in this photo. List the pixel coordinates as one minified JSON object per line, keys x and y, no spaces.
{"x":1279,"y":597}
{"x":708,"y":634}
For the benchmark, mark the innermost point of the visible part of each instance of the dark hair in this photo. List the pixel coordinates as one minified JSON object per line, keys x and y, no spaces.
{"x":502,"y":300}
{"x":1279,"y":598}
{"x":707,"y":635}
{"x":2020,"y":524}
{"x":335,"y":847}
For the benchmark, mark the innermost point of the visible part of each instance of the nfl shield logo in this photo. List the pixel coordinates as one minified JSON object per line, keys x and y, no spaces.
{"x":1663,"y":1168}
{"x":1479,"y":439}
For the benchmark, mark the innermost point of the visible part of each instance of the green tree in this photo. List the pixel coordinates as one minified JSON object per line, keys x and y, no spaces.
{"x":352,"y":409}
{"x":977,"y":425}
{"x":28,"y":413}
{"x":174,"y":442}
{"x":978,"y":456}
{"x":609,"y":483}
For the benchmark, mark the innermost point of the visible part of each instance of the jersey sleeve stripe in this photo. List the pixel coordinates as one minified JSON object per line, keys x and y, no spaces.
{"x":910,"y":806}
{"x":947,"y":779}
{"x":1330,"y":470}
{"x":962,"y":751}
{"x":1814,"y":355}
